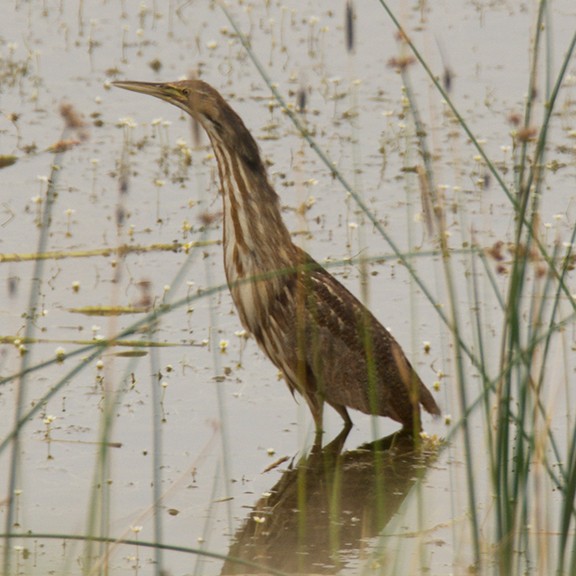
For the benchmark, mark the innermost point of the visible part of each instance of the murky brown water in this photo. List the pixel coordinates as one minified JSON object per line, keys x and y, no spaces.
{"x":225,"y":416}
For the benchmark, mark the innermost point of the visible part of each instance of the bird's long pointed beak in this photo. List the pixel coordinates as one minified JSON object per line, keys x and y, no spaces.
{"x":150,"y":88}
{"x":169,"y":92}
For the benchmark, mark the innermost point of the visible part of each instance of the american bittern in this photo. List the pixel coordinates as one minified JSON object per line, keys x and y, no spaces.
{"x":329,"y":347}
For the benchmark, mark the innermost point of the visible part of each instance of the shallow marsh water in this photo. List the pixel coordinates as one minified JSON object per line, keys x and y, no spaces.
{"x":223,"y":415}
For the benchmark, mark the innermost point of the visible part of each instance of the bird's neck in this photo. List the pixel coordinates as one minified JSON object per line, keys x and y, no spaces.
{"x":256,"y":240}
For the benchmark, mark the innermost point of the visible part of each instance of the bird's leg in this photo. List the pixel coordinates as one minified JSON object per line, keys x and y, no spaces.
{"x":317,"y":445}
{"x":335,"y":446}
{"x":317,"y":408}
{"x":317,"y":412}
{"x":412,"y":429}
{"x":344,"y":415}
{"x":318,"y":415}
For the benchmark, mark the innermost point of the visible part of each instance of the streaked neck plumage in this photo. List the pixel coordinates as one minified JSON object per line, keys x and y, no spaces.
{"x":252,"y":219}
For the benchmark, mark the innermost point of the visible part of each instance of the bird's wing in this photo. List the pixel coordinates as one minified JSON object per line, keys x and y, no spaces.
{"x":354,"y":360}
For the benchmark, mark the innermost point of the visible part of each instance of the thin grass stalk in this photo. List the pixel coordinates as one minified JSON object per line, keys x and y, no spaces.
{"x":302,"y":472}
{"x":358,"y":190}
{"x":489,"y":274}
{"x":422,"y":136}
{"x":427,"y":189}
{"x":537,"y":418}
{"x":538,"y":314}
{"x":332,"y":470}
{"x":437,"y":214}
{"x":519,"y":269}
{"x":444,"y":95}
{"x":511,"y":516}
{"x":549,"y":108}
{"x":557,"y":479}
{"x":463,"y":398}
{"x":567,"y":517}
{"x":157,"y":454}
{"x":30,"y":329}
{"x":506,"y":494}
{"x":222,"y":413}
{"x":537,"y":171}
{"x":549,"y":50}
{"x":556,"y":300}
{"x":528,"y":419}
{"x":522,"y":192}
{"x":478,"y":324}
{"x":546,"y":350}
{"x":567,"y":513}
{"x":157,"y":412}
{"x":98,"y":520}
{"x":514,"y":338}
{"x":210,"y":513}
{"x":356,"y":153}
{"x":542,"y":340}
{"x":104,"y":439}
{"x":99,"y":513}
{"x":119,"y":251}
{"x":99,"y":517}
{"x":144,"y":544}
{"x":452,"y":298}
{"x":522,"y":477}
{"x":491,"y":167}
{"x":157,"y":465}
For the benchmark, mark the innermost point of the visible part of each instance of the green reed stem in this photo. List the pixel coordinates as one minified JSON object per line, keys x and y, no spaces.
{"x":29,"y":331}
{"x":452,"y":299}
{"x":157,"y":454}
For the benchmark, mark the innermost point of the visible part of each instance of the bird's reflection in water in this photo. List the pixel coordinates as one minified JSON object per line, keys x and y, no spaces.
{"x":325,"y":506}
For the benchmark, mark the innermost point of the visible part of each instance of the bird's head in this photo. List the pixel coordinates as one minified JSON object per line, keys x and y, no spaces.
{"x":206,"y":105}
{"x":195,"y":97}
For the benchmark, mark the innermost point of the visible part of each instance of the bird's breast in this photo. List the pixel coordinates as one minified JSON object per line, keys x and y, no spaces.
{"x":249,"y":295}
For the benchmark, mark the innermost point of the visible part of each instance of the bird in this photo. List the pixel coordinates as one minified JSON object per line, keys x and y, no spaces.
{"x":328,"y":346}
